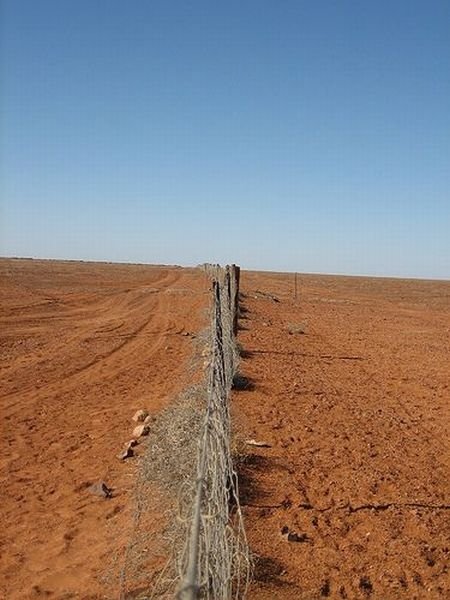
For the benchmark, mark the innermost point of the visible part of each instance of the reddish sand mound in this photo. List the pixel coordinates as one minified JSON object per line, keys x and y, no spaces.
{"x":83,"y":346}
{"x":349,"y":388}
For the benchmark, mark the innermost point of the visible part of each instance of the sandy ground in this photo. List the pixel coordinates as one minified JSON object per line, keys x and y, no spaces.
{"x":350,"y":389}
{"x":83,"y":346}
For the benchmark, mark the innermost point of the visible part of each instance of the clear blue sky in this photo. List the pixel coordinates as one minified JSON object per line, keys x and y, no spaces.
{"x":289,"y":135}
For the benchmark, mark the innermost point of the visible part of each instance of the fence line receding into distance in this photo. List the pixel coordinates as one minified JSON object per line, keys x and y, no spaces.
{"x":215,"y":560}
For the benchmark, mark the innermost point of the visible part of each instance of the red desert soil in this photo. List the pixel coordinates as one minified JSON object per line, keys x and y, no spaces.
{"x":349,"y":387}
{"x":352,"y":498}
{"x":83,"y":346}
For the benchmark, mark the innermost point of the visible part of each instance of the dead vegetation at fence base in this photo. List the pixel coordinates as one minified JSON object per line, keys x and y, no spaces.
{"x":189,"y":443}
{"x":170,"y":463}
{"x":173,"y":441}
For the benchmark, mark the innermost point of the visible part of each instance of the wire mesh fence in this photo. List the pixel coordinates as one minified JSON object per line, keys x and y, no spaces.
{"x":214,"y":562}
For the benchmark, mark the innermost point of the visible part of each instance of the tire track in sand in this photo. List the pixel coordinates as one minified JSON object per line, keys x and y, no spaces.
{"x":59,"y":436}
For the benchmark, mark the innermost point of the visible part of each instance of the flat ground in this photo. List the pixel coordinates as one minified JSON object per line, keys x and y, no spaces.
{"x":349,"y":385}
{"x":83,"y":346}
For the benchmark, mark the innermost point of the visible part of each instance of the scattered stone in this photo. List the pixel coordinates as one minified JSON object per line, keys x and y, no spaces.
{"x":100,"y":489}
{"x":148,"y":419}
{"x":140,"y":430}
{"x":140,"y":416}
{"x":127,"y":452}
{"x":297,"y":328}
{"x":291,"y":536}
{"x":258,"y":444}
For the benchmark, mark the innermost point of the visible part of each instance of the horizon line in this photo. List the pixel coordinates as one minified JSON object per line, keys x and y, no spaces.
{"x":251,"y":270}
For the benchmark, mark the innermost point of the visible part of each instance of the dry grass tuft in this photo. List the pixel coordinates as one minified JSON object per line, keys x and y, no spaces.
{"x":170,"y":462}
{"x":171,"y":454}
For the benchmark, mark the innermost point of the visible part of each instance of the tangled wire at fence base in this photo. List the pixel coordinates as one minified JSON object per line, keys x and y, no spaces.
{"x":215,"y":560}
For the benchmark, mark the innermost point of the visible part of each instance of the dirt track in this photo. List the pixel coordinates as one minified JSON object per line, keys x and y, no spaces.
{"x":83,"y":346}
{"x":356,"y":412}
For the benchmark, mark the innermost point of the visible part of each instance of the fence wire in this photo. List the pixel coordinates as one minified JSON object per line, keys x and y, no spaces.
{"x":214,"y":563}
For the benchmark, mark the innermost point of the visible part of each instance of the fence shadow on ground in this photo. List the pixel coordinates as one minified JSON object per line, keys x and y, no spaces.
{"x":269,"y":570}
{"x":242,"y":383}
{"x":250,"y":469}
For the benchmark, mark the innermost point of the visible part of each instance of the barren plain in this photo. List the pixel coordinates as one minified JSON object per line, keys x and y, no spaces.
{"x":83,"y":346}
{"x":347,"y":387}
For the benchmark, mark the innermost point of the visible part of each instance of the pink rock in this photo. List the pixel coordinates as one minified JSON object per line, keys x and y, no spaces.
{"x":140,"y":430}
{"x":100,"y":489}
{"x":127,"y":452}
{"x":140,"y":415}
